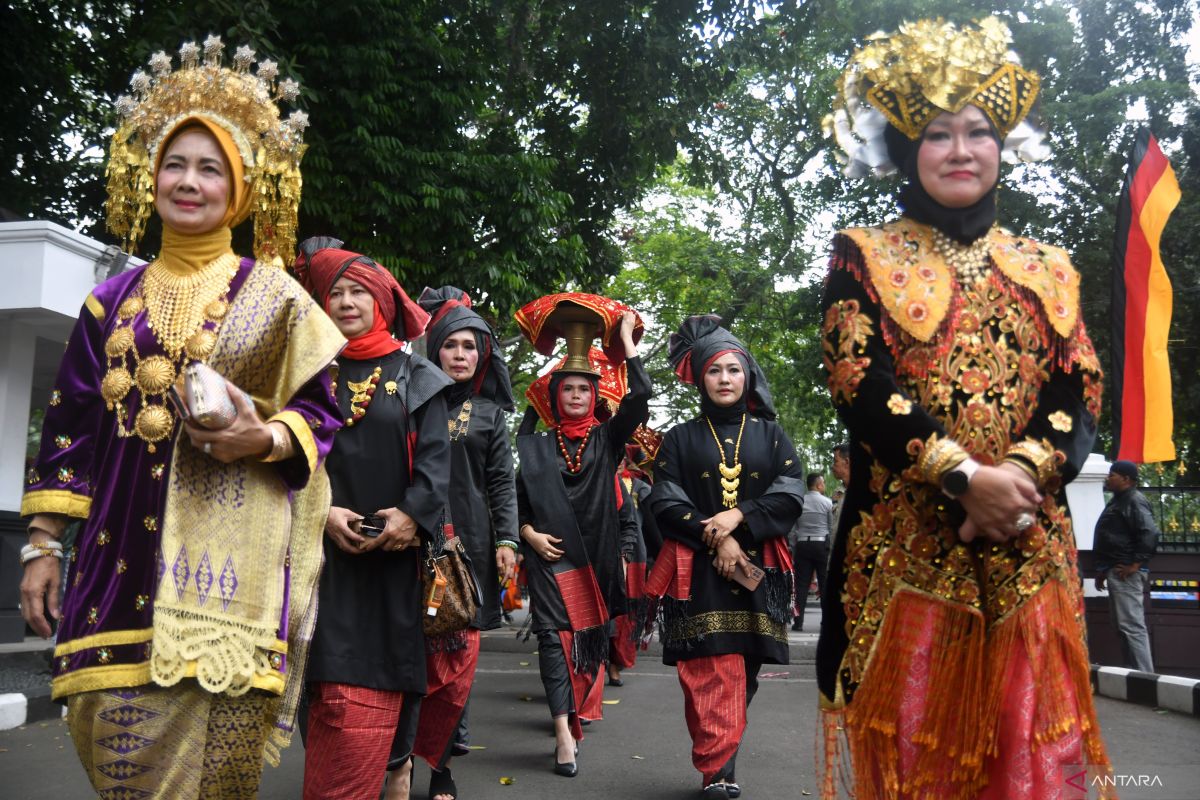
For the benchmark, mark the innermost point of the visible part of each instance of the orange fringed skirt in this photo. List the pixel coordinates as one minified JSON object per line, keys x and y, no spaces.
{"x":951,"y":710}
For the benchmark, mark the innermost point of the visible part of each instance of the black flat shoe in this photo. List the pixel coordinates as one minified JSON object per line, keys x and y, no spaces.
{"x":733,"y":790}
{"x":442,"y":783}
{"x":615,"y":682}
{"x":567,"y":770}
{"x":716,"y":791}
{"x":458,"y":750}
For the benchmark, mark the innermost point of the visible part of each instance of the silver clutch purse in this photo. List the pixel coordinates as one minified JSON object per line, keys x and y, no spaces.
{"x":207,"y":397}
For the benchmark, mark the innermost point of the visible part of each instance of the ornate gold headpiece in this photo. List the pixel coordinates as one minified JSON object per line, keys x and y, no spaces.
{"x":242,"y":103}
{"x":926,"y":67}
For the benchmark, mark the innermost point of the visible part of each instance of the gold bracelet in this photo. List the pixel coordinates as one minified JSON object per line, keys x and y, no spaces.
{"x":940,"y":456}
{"x":1040,"y":457}
{"x":281,"y":443}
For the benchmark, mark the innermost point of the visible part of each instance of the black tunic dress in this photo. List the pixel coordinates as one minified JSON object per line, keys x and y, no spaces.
{"x":721,"y":616}
{"x":483,"y":498}
{"x":592,"y":495}
{"x":369,"y":624}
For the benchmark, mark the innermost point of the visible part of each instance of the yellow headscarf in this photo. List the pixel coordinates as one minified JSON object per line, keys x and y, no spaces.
{"x":182,"y":252}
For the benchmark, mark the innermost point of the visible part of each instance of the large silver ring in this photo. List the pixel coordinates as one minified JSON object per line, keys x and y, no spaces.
{"x":208,"y":448}
{"x":1024,"y":521}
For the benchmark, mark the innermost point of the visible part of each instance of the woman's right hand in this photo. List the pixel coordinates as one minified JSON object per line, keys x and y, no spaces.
{"x":543,"y":544}
{"x":341,"y":526}
{"x":39,"y":593}
{"x":729,"y":555}
{"x":997,"y":496}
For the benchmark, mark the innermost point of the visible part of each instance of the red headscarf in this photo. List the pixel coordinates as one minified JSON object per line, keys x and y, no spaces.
{"x":575,"y":427}
{"x":319,"y":267}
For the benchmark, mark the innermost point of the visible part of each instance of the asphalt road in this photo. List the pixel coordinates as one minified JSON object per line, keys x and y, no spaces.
{"x":639,"y":750}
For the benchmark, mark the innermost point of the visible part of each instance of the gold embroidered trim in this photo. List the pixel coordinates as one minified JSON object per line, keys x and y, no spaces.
{"x":303,"y":433}
{"x":106,"y":639}
{"x":90,"y":679}
{"x":713,"y":622}
{"x":56,"y":501}
{"x":95,"y":307}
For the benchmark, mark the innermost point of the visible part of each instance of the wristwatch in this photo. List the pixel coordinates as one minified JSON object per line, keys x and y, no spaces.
{"x":956,"y":482}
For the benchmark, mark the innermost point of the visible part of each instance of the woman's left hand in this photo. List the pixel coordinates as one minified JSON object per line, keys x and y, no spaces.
{"x":399,"y":532}
{"x":247,"y":436}
{"x":718,"y":527}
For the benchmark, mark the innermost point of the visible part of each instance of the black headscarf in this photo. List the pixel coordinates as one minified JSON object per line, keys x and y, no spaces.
{"x":700,"y":339}
{"x":451,"y":310}
{"x":964,"y":225}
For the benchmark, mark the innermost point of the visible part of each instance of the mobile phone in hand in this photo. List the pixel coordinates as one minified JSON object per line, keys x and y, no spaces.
{"x":748,"y":575}
{"x":372,"y":525}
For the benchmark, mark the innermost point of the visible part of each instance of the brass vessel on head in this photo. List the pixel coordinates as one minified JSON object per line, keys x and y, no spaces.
{"x":579,"y":326}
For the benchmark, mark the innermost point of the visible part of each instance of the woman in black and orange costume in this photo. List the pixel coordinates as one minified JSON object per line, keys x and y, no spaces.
{"x":952,"y":649}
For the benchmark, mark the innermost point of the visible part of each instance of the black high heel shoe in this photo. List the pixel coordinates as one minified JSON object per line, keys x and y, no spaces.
{"x":442,"y":782}
{"x":568,"y":769}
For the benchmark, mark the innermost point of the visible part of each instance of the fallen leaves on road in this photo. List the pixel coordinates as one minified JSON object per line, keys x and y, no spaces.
{"x":507,"y":781}
{"x":610,"y":702}
{"x":524,"y":663}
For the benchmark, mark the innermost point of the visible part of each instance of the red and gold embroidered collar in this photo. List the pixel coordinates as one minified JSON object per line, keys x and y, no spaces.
{"x":915,"y":285}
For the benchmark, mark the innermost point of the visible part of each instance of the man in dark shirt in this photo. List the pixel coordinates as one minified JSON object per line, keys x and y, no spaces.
{"x":1126,"y":537}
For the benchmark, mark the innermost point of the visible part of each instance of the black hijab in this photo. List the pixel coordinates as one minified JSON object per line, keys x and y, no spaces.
{"x":964,"y":225}
{"x":699,"y":340}
{"x":451,"y":310}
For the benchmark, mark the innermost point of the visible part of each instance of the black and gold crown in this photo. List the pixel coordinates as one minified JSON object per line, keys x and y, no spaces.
{"x":927,"y":67}
{"x":243,"y":103}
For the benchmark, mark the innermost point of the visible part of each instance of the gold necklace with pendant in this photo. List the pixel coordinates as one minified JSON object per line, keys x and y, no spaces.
{"x":730,"y":475}
{"x":184,"y":314}
{"x":460,"y":424}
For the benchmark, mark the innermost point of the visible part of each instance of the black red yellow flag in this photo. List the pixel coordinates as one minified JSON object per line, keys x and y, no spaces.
{"x":1141,"y":308}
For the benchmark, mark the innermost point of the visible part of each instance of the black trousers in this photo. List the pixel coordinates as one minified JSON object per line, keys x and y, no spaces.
{"x":809,"y":556}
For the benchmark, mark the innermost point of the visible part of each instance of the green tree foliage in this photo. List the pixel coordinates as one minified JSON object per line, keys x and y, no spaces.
{"x":485,"y":143}
{"x":1108,"y":67}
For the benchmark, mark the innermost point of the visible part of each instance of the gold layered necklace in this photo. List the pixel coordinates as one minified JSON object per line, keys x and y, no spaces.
{"x":183,"y":312}
{"x":460,"y":424}
{"x":730,"y":474}
{"x":970,"y":262}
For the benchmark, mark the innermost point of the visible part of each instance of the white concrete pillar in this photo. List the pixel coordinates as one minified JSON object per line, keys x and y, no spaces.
{"x":17,"y":347}
{"x":1085,"y":497}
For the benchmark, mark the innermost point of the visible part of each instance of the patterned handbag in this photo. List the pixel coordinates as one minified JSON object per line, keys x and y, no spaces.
{"x":459,"y":600}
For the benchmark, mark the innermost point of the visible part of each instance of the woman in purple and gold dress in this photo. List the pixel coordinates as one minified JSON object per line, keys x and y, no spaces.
{"x":188,"y":607}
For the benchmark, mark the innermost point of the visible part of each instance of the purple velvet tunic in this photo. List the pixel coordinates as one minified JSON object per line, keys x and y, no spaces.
{"x":88,"y":468}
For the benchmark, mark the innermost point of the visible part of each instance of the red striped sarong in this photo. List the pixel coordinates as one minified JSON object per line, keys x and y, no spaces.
{"x":586,"y":688}
{"x":622,"y":649}
{"x":350,"y":732}
{"x":714,"y":704}
{"x":450,"y":676}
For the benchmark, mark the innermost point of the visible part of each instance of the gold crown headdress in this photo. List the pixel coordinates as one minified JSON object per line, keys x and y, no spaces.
{"x":908,"y":77}
{"x":242,"y":103}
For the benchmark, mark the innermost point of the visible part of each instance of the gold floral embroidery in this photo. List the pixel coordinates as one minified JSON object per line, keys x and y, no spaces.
{"x":846,"y":330}
{"x":899,"y":405}
{"x":1061,"y":421}
{"x":62,"y":441}
{"x":55,"y":397}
